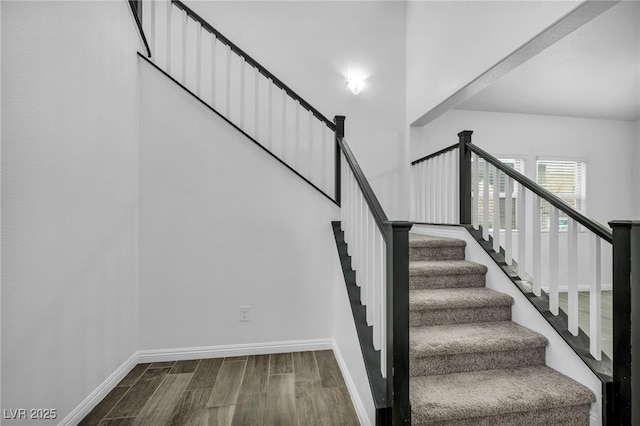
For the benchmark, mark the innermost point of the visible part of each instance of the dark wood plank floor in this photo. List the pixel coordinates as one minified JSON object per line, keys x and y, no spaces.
{"x":302,"y":388}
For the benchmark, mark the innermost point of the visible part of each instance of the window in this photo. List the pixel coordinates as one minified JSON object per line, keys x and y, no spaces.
{"x":518,"y":165}
{"x":567,"y":180}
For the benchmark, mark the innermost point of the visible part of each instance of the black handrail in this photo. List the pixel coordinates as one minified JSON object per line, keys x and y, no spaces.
{"x":306,"y":105}
{"x":593,"y":226}
{"x":136,"y":9}
{"x":396,"y":237}
{"x":370,"y":197}
{"x":435,"y":154}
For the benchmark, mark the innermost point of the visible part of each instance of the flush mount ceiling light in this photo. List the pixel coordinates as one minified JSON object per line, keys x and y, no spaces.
{"x":355,"y":82}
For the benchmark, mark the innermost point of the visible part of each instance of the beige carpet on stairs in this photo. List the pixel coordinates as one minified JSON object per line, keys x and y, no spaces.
{"x":469,"y":363}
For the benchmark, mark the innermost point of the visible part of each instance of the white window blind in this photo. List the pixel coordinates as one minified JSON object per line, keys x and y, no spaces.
{"x":567,"y":180}
{"x":518,"y":165}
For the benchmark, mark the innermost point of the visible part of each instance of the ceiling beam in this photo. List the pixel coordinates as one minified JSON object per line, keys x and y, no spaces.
{"x":564,"y":26}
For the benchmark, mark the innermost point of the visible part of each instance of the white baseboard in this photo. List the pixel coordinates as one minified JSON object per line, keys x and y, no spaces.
{"x":351,"y":387}
{"x":180,"y":354}
{"x":99,"y":393}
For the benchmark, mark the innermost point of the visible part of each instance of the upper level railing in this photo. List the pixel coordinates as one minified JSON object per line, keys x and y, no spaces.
{"x":242,"y":91}
{"x":463,"y":184}
{"x":379,"y":250}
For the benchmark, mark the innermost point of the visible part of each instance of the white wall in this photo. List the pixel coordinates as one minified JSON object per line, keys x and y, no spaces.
{"x":69,"y":200}
{"x":311,"y":45}
{"x":449,"y":44}
{"x":222,"y":225}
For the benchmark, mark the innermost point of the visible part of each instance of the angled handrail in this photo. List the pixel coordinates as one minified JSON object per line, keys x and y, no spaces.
{"x":394,"y":288}
{"x":593,"y":226}
{"x":254,"y":63}
{"x":435,"y":154}
{"x":376,"y":209}
{"x":136,"y":10}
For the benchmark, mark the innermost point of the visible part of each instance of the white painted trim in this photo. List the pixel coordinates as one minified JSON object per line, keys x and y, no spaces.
{"x":78,"y":413}
{"x":351,"y":387}
{"x":180,"y":354}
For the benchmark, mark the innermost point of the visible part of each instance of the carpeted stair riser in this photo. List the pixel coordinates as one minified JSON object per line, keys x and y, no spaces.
{"x":462,"y":363}
{"x":431,"y":253}
{"x":446,"y":274}
{"x":575,"y":415}
{"x":430,"y":248}
{"x":421,"y":282}
{"x":419,"y":318}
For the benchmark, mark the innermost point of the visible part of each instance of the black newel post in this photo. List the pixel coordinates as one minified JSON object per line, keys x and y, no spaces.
{"x":465,"y":177}
{"x":398,"y":322}
{"x":338,"y":120}
{"x":626,"y":322}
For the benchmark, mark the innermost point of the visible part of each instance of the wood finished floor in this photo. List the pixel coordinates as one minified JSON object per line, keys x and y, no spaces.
{"x":300,"y":388}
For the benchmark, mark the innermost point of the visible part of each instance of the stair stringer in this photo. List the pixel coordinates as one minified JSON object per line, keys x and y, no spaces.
{"x":559,"y":355}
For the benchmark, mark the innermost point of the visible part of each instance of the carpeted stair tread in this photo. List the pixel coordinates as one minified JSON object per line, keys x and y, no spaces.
{"x":457,"y":298}
{"x":445,"y":267}
{"x":472,"y":338}
{"x":463,"y":396}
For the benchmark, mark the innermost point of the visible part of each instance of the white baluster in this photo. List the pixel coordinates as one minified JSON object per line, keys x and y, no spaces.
{"x":508,"y":220}
{"x":485,"y":201}
{"x":154,"y":48}
{"x":284,"y":125}
{"x":440,"y":183}
{"x":455,"y":167}
{"x":228,"y":83}
{"x":475,"y":186}
{"x":198,"y":58}
{"x":324,"y":130}
{"x":169,"y":12}
{"x":242,"y":90}
{"x":368,"y":265}
{"x":184,"y":48}
{"x":214,"y":63}
{"x":595,"y":299}
{"x":535,"y":250}
{"x":423,"y":191}
{"x":383,"y":312}
{"x":522,"y":233}
{"x":446,"y":186}
{"x":257,"y":105}
{"x":270,"y":118}
{"x":496,"y":210}
{"x":431,"y":199}
{"x":377,"y":263}
{"x":311,"y":120}
{"x":553,"y":260}
{"x":572,"y":275}
{"x":296,"y":139}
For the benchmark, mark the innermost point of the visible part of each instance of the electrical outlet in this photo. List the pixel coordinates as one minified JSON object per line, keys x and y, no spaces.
{"x":244,"y":313}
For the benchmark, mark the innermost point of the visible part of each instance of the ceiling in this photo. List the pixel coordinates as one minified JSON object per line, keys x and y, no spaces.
{"x":593,"y":72}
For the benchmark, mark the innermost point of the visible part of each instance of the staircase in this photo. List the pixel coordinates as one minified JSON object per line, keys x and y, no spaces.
{"x":469,"y":363}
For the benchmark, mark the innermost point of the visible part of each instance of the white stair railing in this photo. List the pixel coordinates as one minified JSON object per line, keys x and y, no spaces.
{"x":505,"y":206}
{"x":229,"y":81}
